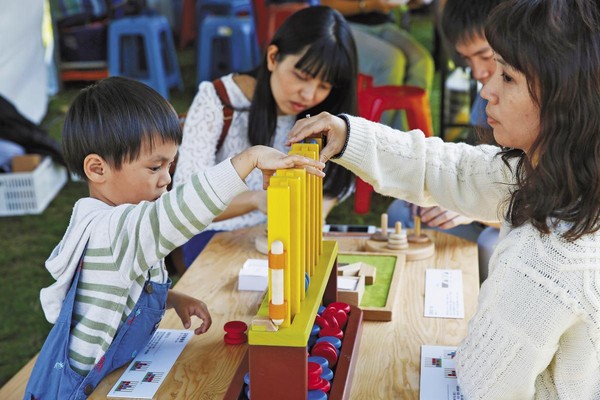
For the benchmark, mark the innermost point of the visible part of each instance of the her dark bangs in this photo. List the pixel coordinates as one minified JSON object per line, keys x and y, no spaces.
{"x":326,"y":60}
{"x":504,"y":32}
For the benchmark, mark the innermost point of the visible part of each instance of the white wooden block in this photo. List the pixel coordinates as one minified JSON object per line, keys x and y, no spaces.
{"x":254,"y":275}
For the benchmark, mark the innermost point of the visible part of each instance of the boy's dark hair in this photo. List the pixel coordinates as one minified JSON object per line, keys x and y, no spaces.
{"x":464,"y":20}
{"x":325,"y":38}
{"x":113,"y":118}
{"x":556,"y":45}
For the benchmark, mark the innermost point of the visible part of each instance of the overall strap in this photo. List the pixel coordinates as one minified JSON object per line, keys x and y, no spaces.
{"x":227,"y":110}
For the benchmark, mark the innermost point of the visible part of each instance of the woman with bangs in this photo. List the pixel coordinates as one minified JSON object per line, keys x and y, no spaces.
{"x":536,"y":332}
{"x":309,"y":66}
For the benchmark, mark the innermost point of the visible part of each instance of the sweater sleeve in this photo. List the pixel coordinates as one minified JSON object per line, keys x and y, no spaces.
{"x":471,"y":180}
{"x":527,"y":306}
{"x":201,"y":131}
{"x":149,"y":231}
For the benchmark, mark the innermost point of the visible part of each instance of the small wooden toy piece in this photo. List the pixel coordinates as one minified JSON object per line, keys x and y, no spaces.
{"x":351,"y":289}
{"x":358,"y":269}
{"x":420,"y":248}
{"x":382,"y":235}
{"x":261,"y":242}
{"x":349,"y":269}
{"x":369,"y":272}
{"x":263,"y":324}
{"x":398,"y":239}
{"x":417,"y":236}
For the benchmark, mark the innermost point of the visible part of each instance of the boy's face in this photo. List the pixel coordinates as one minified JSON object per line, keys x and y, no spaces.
{"x":145,"y":178}
{"x":479,"y":56}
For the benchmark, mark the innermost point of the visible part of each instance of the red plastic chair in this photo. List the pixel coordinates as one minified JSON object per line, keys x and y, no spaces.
{"x":363,"y":82}
{"x":372,"y":102}
{"x":187,"y":31}
{"x":260,"y":21}
{"x":276,"y":14}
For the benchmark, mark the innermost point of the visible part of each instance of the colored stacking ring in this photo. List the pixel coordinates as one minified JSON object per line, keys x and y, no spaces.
{"x":316,"y":395}
{"x":329,"y":331}
{"x":337,"y":343}
{"x":327,"y":374}
{"x":322,"y":361}
{"x":327,"y":351}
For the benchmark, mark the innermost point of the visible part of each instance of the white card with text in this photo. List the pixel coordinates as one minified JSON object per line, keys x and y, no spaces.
{"x":444,"y":293}
{"x":438,"y":374}
{"x":149,"y":368}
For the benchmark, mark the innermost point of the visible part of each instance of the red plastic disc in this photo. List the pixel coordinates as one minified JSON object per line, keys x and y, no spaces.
{"x":336,"y":332}
{"x":329,"y":353}
{"x":235,"y":327}
{"x":235,"y":340}
{"x":314,"y":369}
{"x":319,"y":320}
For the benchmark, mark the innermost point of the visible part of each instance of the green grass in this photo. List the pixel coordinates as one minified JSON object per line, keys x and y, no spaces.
{"x":28,"y":240}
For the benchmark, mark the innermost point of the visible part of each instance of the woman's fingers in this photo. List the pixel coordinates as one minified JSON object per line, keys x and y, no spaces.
{"x":334,"y":128}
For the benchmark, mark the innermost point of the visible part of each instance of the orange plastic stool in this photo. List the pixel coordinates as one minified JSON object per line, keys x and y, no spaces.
{"x":372,"y":102}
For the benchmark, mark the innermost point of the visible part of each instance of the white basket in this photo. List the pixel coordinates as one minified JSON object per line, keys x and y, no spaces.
{"x":30,"y":192}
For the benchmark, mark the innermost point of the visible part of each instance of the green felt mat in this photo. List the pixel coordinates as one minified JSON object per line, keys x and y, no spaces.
{"x":376,"y":294}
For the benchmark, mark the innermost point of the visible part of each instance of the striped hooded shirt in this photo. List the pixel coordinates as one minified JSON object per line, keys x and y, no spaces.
{"x":125,"y":245}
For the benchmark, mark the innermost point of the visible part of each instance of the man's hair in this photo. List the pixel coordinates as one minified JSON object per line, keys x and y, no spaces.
{"x":556,"y":46}
{"x":464,"y":20}
{"x":113,"y":118}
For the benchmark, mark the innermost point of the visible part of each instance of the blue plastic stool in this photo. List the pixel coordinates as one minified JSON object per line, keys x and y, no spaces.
{"x":141,"y":48}
{"x":232,"y":8}
{"x":227,"y":44}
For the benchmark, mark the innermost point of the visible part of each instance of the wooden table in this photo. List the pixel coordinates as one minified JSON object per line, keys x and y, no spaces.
{"x":388,"y":364}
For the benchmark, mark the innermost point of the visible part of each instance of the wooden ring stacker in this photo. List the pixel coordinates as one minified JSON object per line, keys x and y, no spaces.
{"x":419,"y":245}
{"x":415,"y":251}
{"x":382,"y":235}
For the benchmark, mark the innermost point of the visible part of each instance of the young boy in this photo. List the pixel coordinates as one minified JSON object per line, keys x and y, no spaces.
{"x":111,"y":282}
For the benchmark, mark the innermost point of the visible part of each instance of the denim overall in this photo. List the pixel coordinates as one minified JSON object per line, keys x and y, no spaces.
{"x":52,"y":377}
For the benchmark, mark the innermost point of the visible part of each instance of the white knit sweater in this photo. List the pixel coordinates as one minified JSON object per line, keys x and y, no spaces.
{"x":536,"y":332}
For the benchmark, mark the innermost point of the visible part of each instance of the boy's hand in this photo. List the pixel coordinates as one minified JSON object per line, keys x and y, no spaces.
{"x":331,"y":126}
{"x":268,"y":160}
{"x":185,"y":306}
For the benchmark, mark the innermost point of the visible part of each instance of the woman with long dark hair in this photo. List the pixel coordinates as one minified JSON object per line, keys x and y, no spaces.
{"x":536,"y":332}
{"x":309,"y":66}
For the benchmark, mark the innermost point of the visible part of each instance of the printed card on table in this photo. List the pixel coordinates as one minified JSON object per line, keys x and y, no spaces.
{"x":438,"y":374}
{"x":444,"y":293}
{"x":143,"y":376}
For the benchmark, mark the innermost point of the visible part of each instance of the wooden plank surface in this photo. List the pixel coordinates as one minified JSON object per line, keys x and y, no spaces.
{"x":389,"y":355}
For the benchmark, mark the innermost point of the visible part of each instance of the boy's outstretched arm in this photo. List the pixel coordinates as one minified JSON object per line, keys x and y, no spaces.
{"x":268,"y":159}
{"x":185,"y":306}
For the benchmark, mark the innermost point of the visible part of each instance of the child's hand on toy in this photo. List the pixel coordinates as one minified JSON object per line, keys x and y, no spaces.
{"x":329,"y":125}
{"x":186,"y":306}
{"x":268,"y":160}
